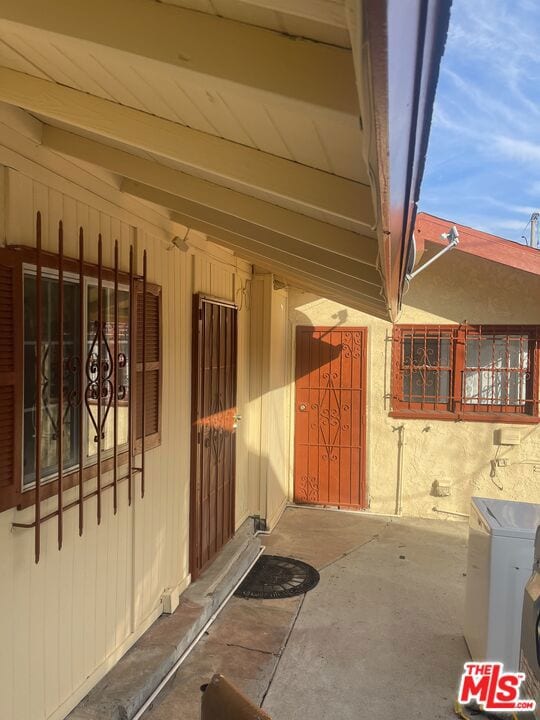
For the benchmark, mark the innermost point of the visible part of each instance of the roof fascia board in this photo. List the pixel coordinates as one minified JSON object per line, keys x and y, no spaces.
{"x":402,"y":45}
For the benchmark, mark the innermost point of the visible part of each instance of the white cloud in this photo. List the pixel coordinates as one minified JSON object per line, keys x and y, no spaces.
{"x":498,"y":30}
{"x":447,"y":121}
{"x":485,"y":104}
{"x":525,"y":210}
{"x":517,"y":150}
{"x":534,"y":189}
{"x":483,"y":164}
{"x":512,"y":224}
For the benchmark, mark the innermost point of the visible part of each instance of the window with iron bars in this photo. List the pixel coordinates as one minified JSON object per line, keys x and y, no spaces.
{"x":112,"y":342}
{"x":80,"y":378}
{"x":467,"y":372}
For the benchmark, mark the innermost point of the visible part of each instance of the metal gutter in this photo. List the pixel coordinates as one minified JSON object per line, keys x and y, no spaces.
{"x":402,"y":44}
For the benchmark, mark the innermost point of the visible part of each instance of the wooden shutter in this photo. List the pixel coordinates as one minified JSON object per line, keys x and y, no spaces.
{"x":11,"y":377}
{"x":153,"y":365}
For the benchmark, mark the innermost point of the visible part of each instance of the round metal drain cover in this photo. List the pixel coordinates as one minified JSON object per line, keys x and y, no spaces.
{"x":274,"y":577}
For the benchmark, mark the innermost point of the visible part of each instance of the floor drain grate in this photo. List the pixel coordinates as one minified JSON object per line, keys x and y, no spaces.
{"x":274,"y":577}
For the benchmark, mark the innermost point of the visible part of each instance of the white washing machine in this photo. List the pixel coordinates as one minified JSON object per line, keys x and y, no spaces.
{"x":529,"y":662}
{"x":500,"y":561}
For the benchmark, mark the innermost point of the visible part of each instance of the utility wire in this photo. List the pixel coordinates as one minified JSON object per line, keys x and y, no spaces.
{"x":523,"y":236}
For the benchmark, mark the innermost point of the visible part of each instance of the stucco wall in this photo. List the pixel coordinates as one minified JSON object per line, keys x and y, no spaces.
{"x":455,"y":289}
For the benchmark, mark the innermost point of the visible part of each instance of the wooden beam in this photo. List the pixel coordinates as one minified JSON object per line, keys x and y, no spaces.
{"x":181,"y":185}
{"x":319,"y":289}
{"x":283,"y":182}
{"x":258,"y":252}
{"x":207,"y":49}
{"x":323,"y":257}
{"x":305,"y":281}
{"x":328,"y":12}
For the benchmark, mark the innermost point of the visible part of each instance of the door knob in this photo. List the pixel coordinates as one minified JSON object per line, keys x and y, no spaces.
{"x":236,"y":420}
{"x":303,"y":407}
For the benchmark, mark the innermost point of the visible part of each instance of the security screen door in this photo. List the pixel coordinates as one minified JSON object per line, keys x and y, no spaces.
{"x":213,"y":429}
{"x":330,"y":416}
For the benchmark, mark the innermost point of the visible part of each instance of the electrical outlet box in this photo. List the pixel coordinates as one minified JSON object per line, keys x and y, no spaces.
{"x":440,"y":489}
{"x":502,"y":462}
{"x":507,"y":436}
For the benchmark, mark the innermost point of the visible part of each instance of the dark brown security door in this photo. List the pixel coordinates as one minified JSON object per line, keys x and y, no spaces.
{"x":213,"y":430}
{"x":330,"y":414}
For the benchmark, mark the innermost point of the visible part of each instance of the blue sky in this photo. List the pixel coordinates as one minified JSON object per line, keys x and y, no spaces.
{"x":483,"y":164}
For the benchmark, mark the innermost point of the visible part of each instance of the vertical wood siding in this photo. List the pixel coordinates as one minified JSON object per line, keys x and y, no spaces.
{"x":212,"y":277}
{"x":64,"y":621}
{"x":269,"y":406}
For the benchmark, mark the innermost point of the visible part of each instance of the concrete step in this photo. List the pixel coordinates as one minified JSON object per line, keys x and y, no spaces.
{"x":123,"y":691}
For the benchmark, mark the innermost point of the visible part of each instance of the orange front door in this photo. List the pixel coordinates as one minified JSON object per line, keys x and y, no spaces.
{"x":330,"y":416}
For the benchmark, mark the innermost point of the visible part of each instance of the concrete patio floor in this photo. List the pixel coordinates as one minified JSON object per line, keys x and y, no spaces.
{"x":380,"y":635}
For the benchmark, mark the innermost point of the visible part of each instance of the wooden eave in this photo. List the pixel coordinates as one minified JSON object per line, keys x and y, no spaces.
{"x":301,"y":156}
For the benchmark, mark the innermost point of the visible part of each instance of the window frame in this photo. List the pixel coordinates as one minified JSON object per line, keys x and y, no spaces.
{"x":19,"y":256}
{"x":30,"y":270}
{"x":458,"y":410}
{"x":89,"y":280}
{"x":90,"y":460}
{"x":435,"y":332}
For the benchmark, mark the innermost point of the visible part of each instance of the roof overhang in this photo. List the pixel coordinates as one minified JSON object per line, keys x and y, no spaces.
{"x":303,"y":156}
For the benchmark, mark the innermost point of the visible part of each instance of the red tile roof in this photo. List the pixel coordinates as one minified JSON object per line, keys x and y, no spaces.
{"x":428,"y":228}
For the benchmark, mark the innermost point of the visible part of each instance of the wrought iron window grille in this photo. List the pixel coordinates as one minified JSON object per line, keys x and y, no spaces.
{"x":486,"y":371}
{"x":90,"y":383}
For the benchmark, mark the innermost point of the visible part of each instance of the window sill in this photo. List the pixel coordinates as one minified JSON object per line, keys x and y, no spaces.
{"x":70,"y":480}
{"x":27,"y":498}
{"x":506,"y":418}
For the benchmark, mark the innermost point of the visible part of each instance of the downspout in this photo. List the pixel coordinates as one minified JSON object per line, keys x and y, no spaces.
{"x":265,"y":390}
{"x":399,"y":485}
{"x":260,"y":365}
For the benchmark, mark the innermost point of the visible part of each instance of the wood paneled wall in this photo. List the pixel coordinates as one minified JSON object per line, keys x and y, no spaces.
{"x":67,"y":620}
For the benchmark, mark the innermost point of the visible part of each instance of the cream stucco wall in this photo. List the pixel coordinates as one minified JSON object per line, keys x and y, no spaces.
{"x":455,"y":289}
{"x":67,"y":620}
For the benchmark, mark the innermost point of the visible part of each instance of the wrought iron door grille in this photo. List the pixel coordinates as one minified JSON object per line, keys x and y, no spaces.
{"x":89,"y":383}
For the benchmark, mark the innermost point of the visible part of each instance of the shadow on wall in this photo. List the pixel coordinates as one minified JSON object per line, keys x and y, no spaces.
{"x":316,"y":351}
{"x":271,"y":462}
{"x":219,"y":413}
